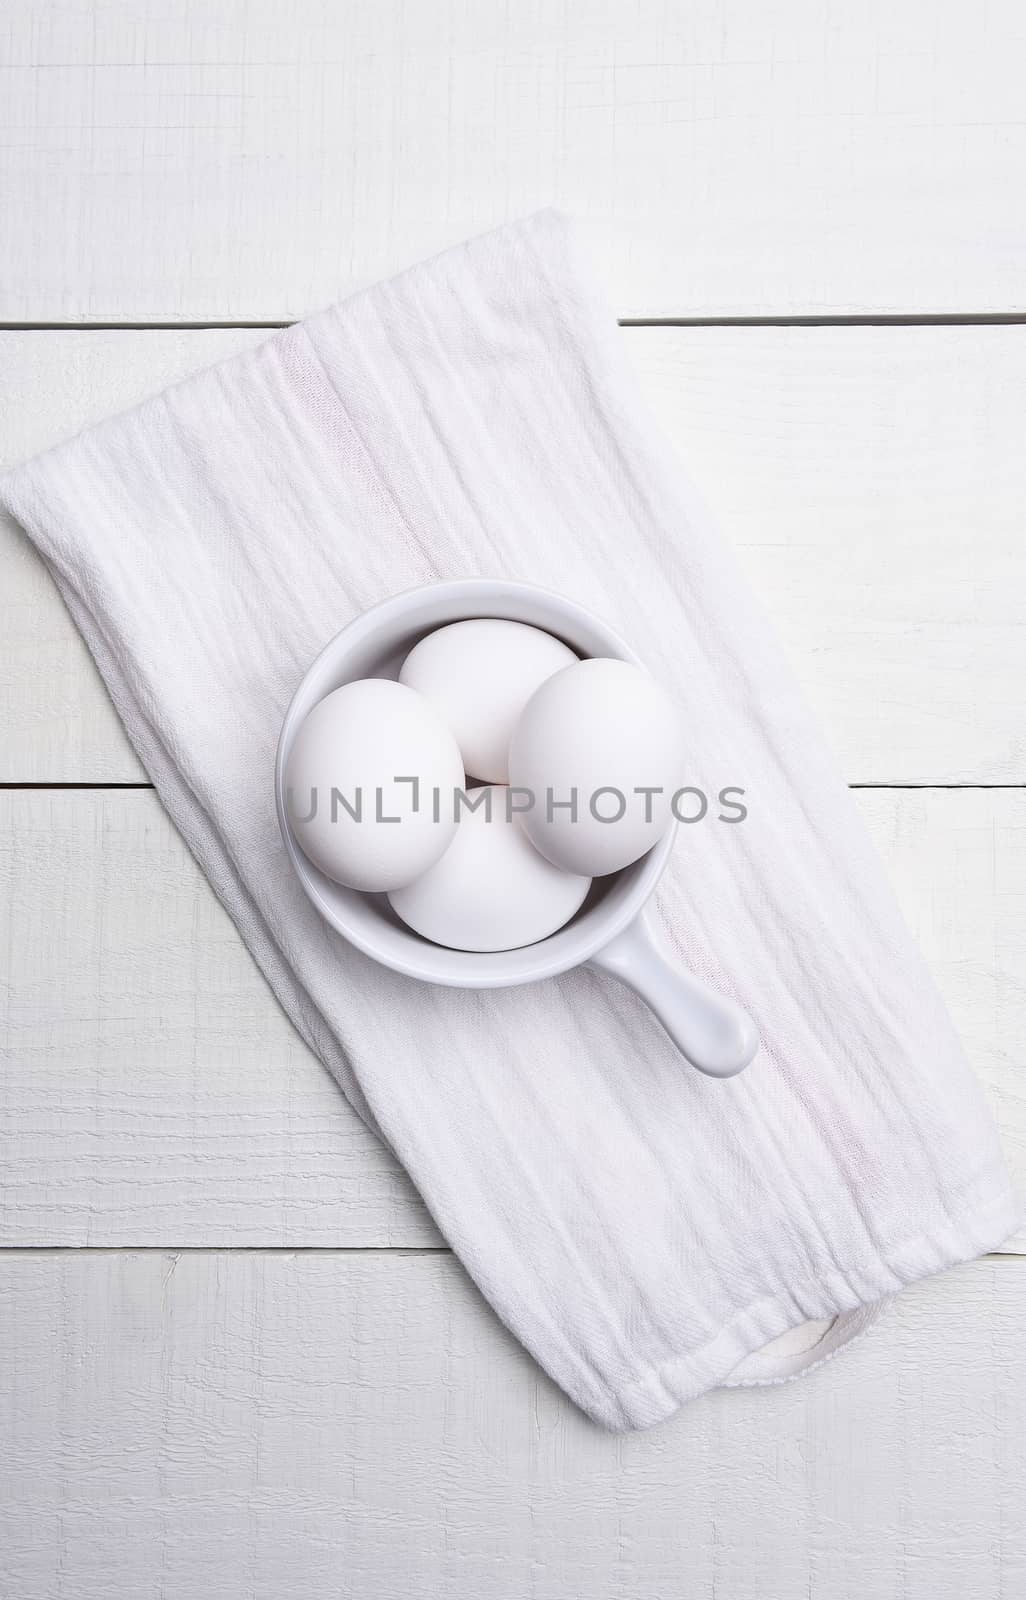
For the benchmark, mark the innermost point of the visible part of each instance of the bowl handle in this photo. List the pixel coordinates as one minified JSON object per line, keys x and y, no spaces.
{"x":709,"y":1030}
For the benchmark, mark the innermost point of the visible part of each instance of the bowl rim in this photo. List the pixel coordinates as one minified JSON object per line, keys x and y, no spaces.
{"x":602,"y":923}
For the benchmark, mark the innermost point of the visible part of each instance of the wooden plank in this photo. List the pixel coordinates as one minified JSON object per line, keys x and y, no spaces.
{"x":152,"y":1090}
{"x":271,"y":1427}
{"x":871,"y":479}
{"x":872,"y":485}
{"x":153,"y":1094}
{"x":259,"y":158}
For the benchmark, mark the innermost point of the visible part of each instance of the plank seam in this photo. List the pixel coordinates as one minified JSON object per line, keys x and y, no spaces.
{"x":13,"y":785}
{"x":869,"y":319}
{"x":889,"y":319}
{"x":224,"y":1249}
{"x":874,"y":785}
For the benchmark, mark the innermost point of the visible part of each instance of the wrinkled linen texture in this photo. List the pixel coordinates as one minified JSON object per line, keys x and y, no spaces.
{"x":640,"y":1228}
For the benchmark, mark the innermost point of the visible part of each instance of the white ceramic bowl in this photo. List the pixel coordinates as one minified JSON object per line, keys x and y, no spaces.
{"x":608,"y":931}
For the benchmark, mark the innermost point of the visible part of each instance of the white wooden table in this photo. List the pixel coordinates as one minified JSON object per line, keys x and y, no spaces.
{"x":235,"y":1358}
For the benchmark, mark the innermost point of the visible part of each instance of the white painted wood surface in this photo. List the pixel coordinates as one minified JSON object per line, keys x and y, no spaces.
{"x":154,"y":1094}
{"x":348,"y":1420}
{"x":241,"y":159}
{"x":872,"y":480}
{"x":282,"y":1427}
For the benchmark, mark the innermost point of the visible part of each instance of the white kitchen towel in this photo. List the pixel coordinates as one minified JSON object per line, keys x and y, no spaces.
{"x":642,"y":1229}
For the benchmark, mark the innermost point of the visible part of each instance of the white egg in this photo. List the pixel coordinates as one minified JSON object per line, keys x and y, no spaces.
{"x":595,"y":735}
{"x":479,"y":675}
{"x":491,"y":890}
{"x":350,"y":797}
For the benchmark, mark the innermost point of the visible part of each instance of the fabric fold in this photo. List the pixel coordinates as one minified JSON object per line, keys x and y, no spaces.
{"x":642,"y":1230}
